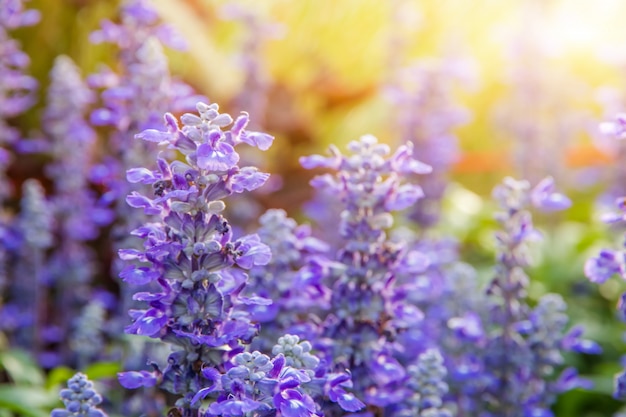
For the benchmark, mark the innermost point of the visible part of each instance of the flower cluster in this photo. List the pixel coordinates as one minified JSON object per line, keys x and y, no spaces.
{"x":30,"y":237}
{"x":429,"y":388}
{"x":80,"y":399}
{"x":523,"y":346}
{"x":366,"y":311}
{"x":202,"y":308}
{"x":353,"y":317}
{"x":190,"y":252}
{"x":255,"y":385}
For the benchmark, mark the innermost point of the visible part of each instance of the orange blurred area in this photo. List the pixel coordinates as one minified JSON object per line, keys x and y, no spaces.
{"x":587,"y":155}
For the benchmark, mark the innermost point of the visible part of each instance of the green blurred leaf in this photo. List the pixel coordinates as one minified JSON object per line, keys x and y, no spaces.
{"x":59,"y":376}
{"x":27,"y":401}
{"x":22,"y":368}
{"x":102,"y":370}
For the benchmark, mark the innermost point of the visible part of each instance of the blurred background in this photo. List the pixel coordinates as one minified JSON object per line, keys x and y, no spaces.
{"x":519,"y":87}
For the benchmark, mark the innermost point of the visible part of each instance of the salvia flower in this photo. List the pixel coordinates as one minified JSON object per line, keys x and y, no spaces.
{"x":32,"y":237}
{"x":133,"y":98}
{"x":190,"y":252}
{"x":78,"y":213}
{"x":524,"y":347}
{"x":427,"y":382}
{"x":191,"y":255}
{"x":255,"y":385}
{"x":80,"y":399}
{"x":366,"y":311}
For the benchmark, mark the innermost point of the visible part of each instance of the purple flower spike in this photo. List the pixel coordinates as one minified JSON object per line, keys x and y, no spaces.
{"x":520,"y":337}
{"x":368,"y":309}
{"x":202,"y":306}
{"x":80,"y":399}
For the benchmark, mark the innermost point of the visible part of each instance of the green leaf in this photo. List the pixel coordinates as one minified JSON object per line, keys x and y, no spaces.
{"x":59,"y":376}
{"x":22,"y":368}
{"x":27,"y":401}
{"x":102,"y":370}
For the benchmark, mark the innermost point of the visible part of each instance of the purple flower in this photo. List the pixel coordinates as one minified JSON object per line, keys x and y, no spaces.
{"x":602,"y":267}
{"x":619,"y":391}
{"x":190,"y":254}
{"x":367,"y":309}
{"x":136,"y":379}
{"x":251,"y":252}
{"x":544,"y":197}
{"x":218,"y":156}
{"x":80,"y":399}
{"x":254,"y":382}
{"x":616,"y":128}
{"x":524,"y":346}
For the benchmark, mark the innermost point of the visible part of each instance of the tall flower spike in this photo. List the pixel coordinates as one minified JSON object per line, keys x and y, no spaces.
{"x":34,"y":234}
{"x":366,"y":311}
{"x":80,"y":399}
{"x":428,"y":385}
{"x":518,"y":354}
{"x":78,"y":213}
{"x":190,"y":253}
{"x":202,"y":308}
